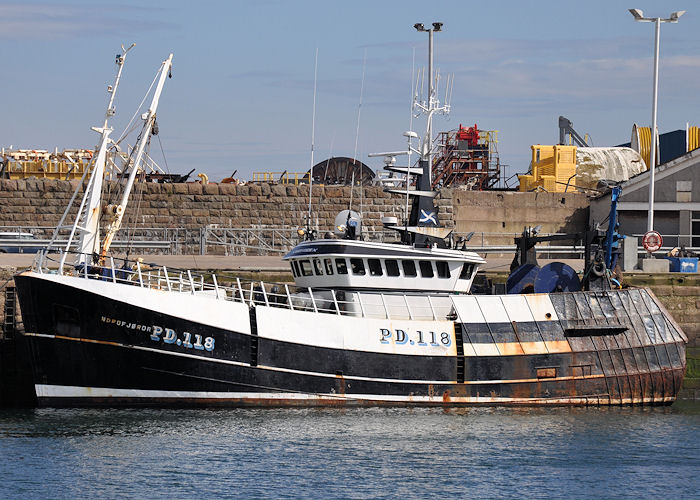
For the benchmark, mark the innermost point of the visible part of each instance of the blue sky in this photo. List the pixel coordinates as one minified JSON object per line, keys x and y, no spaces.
{"x":242,"y":87}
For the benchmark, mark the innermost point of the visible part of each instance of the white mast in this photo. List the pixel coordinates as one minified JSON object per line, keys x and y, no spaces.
{"x":87,"y":221}
{"x":149,"y":118}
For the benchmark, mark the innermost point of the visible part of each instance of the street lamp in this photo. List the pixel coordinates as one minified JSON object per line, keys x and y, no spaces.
{"x":639,"y":16}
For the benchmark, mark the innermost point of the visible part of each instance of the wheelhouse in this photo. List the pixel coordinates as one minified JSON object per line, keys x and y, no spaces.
{"x":380,"y":266}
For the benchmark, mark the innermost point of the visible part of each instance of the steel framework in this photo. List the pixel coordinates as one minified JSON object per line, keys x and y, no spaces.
{"x":468,"y":157}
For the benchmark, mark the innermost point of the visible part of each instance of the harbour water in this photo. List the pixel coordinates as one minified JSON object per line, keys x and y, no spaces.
{"x":351,"y":453}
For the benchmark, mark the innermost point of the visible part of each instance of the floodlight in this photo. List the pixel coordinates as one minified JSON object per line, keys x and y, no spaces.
{"x":676,"y":15}
{"x":419,"y":26}
{"x":637,"y":13}
{"x":437,"y":26}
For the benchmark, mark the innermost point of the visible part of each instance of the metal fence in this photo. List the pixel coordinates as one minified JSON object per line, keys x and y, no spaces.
{"x":277,"y":240}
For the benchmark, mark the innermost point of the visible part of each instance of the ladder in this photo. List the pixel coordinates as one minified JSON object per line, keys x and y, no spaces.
{"x":9,"y":324}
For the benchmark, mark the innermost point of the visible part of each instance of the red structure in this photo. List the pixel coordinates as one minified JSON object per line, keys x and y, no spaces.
{"x":467,"y":156}
{"x":470,"y":135}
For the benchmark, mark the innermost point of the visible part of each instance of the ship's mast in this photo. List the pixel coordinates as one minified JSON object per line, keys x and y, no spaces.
{"x":423,"y":226}
{"x":87,"y":221}
{"x":427,"y":150}
{"x":423,"y":212}
{"x":117,"y":211}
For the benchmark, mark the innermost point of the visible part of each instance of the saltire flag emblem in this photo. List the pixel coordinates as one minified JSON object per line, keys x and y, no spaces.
{"x":427,"y":217}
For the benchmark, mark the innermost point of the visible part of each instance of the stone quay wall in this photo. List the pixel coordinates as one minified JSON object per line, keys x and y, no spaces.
{"x":41,"y":202}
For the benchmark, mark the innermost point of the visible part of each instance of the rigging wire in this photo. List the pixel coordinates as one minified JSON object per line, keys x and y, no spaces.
{"x":165,"y":160}
{"x":130,"y":225}
{"x":126,"y":129}
{"x":119,"y":187}
{"x":357,"y":131}
{"x":130,"y":127}
{"x":325,"y":174}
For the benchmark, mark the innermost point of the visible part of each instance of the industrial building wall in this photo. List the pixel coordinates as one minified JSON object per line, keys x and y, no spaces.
{"x":682,"y":186}
{"x":676,"y":202}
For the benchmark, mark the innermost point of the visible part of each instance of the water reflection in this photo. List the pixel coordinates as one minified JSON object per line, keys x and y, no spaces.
{"x":352,"y":452}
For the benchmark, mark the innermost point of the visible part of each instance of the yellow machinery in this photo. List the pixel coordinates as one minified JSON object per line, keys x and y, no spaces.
{"x":24,"y":163}
{"x":285,"y":177}
{"x":553,"y":169}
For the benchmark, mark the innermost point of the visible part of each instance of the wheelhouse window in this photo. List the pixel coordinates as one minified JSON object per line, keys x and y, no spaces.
{"x":426,"y":268}
{"x":467,"y":270}
{"x":318,"y":269}
{"x":294,"y":272}
{"x":306,"y":268}
{"x":392,"y":267}
{"x":409,"y":268}
{"x":328,"y":264}
{"x":443,"y":270}
{"x":375,"y":267}
{"x":357,"y":266}
{"x":341,"y":266}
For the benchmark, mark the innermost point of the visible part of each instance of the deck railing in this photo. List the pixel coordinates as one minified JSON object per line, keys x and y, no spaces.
{"x":251,"y":292}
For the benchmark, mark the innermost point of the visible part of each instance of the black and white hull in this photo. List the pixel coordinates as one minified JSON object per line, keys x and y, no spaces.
{"x":101,"y":342}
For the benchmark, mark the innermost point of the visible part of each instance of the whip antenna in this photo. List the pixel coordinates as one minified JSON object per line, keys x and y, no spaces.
{"x":313,"y":131}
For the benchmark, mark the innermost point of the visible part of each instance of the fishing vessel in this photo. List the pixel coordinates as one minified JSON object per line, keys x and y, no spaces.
{"x":365,"y":323}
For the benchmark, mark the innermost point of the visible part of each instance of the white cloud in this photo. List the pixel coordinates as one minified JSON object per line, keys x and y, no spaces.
{"x":47,"y":21}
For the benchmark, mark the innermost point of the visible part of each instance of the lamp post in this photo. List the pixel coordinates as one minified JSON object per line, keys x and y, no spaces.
{"x":639,"y":16}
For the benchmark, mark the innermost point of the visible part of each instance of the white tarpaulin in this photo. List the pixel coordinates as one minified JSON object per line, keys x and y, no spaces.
{"x":613,"y":164}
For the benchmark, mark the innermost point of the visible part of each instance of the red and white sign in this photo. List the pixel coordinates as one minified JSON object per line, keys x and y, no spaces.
{"x":652,"y":241}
